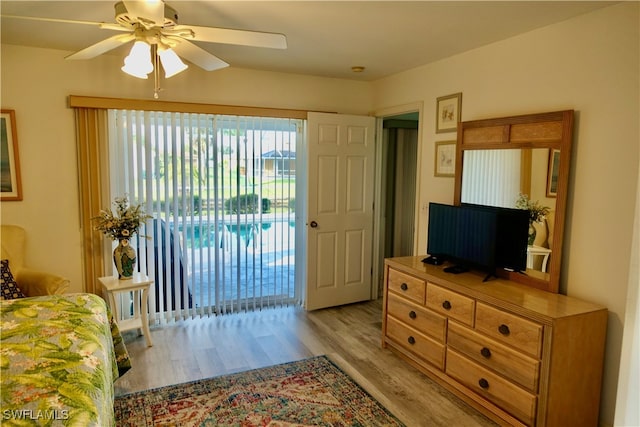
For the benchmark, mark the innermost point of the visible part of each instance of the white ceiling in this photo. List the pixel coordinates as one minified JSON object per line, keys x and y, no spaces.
{"x":325,"y":38}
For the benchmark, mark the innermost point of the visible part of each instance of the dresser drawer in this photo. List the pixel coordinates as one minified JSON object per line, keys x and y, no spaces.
{"x":421,"y":345}
{"x":408,"y":286}
{"x":450,"y":304}
{"x":418,"y":317}
{"x":519,"y":333}
{"x":511,"y":364}
{"x":503,"y":393}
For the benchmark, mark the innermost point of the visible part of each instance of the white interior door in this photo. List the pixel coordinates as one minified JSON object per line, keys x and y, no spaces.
{"x":341,"y":153}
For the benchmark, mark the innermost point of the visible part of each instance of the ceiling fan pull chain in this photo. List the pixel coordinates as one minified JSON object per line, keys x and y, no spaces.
{"x":156,"y":72}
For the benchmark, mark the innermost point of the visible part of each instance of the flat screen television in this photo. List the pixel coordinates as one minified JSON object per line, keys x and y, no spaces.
{"x":512,"y":234}
{"x":481,"y":237}
{"x":442,"y":232}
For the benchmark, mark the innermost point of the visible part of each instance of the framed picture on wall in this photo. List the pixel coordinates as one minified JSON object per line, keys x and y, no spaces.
{"x":552,"y":174}
{"x":11,"y":187}
{"x":448,"y":112}
{"x":445,"y":158}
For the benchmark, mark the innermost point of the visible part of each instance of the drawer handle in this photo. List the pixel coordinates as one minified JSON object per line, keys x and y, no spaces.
{"x":412,"y":314}
{"x":485,"y":352}
{"x":411,"y":340}
{"x":404,"y":286}
{"x":483,"y":383}
{"x":504,"y":329}
{"x":446,"y":305}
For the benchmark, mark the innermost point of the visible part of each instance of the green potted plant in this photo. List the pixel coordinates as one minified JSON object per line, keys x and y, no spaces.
{"x":537,"y":212}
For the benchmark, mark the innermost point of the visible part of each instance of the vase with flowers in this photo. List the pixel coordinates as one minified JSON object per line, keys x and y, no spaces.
{"x":121,"y":224}
{"x":537,"y":213}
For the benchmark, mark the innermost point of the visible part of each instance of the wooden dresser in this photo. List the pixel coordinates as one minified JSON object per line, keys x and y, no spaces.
{"x":519,"y":355}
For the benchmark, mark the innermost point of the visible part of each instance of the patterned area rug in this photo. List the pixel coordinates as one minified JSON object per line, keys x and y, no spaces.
{"x":311,"y":392}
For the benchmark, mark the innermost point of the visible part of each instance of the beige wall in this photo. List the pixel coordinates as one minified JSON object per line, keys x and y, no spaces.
{"x":36,"y":83}
{"x":589,"y":64}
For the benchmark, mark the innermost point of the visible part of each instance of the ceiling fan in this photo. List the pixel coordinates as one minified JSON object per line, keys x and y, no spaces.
{"x":153,"y":25}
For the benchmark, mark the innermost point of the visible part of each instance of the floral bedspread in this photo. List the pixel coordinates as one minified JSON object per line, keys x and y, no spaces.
{"x":59,"y":357}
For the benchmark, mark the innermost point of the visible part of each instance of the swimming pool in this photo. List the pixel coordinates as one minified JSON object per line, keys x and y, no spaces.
{"x":230,"y":263}
{"x":205,"y":234}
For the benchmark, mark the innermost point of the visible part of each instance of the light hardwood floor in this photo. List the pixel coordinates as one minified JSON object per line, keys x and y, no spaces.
{"x":349,"y":335}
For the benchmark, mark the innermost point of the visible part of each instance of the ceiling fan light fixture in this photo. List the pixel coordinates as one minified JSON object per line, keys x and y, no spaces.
{"x":138,"y":62}
{"x":171,"y":62}
{"x":158,"y":40}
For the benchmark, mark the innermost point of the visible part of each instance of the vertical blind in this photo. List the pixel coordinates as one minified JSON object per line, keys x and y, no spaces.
{"x":221,"y":190}
{"x":405,"y":191}
{"x":491,"y":177}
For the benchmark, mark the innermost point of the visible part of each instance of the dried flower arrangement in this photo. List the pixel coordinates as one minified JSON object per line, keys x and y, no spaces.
{"x":537,"y":212}
{"x":122,"y":223}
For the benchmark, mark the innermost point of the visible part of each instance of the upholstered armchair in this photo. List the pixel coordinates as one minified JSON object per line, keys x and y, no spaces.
{"x":31,"y":283}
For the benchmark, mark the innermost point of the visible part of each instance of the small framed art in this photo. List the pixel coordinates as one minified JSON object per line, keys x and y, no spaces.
{"x":448,"y":112}
{"x":445,"y":158}
{"x":552,"y":173}
{"x":11,"y":186}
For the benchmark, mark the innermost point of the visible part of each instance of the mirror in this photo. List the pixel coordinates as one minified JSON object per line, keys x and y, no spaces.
{"x":499,"y":177}
{"x":498,"y":160}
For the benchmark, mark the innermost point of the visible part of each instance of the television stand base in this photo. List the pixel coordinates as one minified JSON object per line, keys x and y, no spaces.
{"x":433,"y":260}
{"x":456,"y":269}
{"x":489,"y":276}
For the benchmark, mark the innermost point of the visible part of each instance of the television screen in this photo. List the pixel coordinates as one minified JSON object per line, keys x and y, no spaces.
{"x":441,"y":242}
{"x":513,"y":235}
{"x":512,"y":230}
{"x":475,"y":236}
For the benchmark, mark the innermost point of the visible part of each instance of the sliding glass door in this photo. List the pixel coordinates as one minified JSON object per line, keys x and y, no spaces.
{"x":222,"y":193}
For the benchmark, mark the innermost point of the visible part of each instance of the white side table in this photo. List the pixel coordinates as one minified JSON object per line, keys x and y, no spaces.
{"x":139,"y":284}
{"x":534,"y":250}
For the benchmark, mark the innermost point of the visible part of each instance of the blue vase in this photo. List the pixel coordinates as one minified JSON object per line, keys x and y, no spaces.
{"x":124,"y":256}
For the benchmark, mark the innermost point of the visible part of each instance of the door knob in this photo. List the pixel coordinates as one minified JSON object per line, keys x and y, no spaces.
{"x":313,"y":224}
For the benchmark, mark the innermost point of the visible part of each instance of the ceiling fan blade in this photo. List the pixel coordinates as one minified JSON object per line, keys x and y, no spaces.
{"x":151,"y":11}
{"x":198,"y":56}
{"x":102,"y":47}
{"x":237,"y":37}
{"x":114,"y":27}
{"x":62,"y":21}
{"x":102,"y":25}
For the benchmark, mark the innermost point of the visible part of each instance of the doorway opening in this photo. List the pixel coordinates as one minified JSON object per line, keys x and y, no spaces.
{"x":398,"y":187}
{"x":400,"y":139}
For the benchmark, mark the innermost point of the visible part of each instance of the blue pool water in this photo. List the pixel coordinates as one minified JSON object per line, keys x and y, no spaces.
{"x":204,"y":234}
{"x":245,"y":261}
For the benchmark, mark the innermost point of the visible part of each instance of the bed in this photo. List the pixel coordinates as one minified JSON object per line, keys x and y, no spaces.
{"x":59,"y":358}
